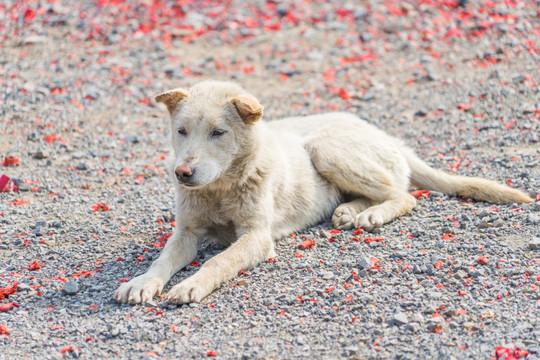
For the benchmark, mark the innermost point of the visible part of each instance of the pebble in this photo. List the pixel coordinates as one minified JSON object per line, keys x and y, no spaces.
{"x":71,"y":287}
{"x":534,"y":243}
{"x":399,"y":319}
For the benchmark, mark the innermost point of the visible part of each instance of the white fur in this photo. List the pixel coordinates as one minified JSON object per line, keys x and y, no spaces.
{"x":261,"y":181}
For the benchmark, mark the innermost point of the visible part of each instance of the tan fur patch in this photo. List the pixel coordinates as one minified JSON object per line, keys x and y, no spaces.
{"x":249,"y":108}
{"x":171,"y":98}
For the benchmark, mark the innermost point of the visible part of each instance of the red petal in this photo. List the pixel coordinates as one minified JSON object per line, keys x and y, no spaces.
{"x":306,"y":244}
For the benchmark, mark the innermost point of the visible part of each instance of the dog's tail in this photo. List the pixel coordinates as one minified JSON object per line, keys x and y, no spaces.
{"x":425,"y":177}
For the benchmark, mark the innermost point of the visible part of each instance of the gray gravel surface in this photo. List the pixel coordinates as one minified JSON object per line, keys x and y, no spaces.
{"x":89,"y":205}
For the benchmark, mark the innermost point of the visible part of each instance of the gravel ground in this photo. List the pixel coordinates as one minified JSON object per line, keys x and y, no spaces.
{"x":85,"y":203}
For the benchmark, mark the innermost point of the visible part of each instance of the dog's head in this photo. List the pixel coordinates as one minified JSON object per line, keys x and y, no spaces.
{"x":211,"y":126}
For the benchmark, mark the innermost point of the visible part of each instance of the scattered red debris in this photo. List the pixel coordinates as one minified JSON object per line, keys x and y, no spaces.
{"x":358,"y":231}
{"x":211,"y":353}
{"x":100,"y":206}
{"x":162,"y":240}
{"x":334,"y":231}
{"x":67,"y":349}
{"x":438,"y":264}
{"x":8,"y":290}
{"x":11,"y":160}
{"x":464,"y":107}
{"x":437,"y":329}
{"x":7,"y":307}
{"x":482,"y":260}
{"x":344,"y":94}
{"x":19,"y":202}
{"x":4,"y":183}
{"x":34,"y":265}
{"x":507,"y":353}
{"x":4,"y":330}
{"x":448,"y":236}
{"x":83,"y":273}
{"x":51,"y":138}
{"x":195,"y":263}
{"x":419,"y":194}
{"x":306,"y":244}
{"x":369,"y":240}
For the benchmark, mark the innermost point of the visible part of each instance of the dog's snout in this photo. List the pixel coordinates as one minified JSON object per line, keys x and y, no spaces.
{"x":184,"y":172}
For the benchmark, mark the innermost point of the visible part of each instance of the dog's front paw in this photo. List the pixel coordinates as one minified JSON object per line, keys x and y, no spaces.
{"x":193,"y":289}
{"x":139,"y":290}
{"x":370,"y":218}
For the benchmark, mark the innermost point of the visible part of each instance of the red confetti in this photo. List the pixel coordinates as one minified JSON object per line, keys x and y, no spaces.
{"x":67,"y":349}
{"x":7,"y":307}
{"x":419,"y":194}
{"x":438,"y":265}
{"x":34,"y":265}
{"x":369,"y":240}
{"x":19,"y":202}
{"x":437,"y":329}
{"x":506,"y":353}
{"x":100,"y":207}
{"x":51,"y":138}
{"x":195,"y":264}
{"x":464,"y":107}
{"x":482,"y":260}
{"x":211,"y":353}
{"x":306,"y":244}
{"x":8,"y":290}
{"x":4,"y":181}
{"x":11,"y":161}
{"x":162,"y":240}
{"x":344,"y":94}
{"x":29,"y":14}
{"x":4,"y":330}
{"x":448,"y":236}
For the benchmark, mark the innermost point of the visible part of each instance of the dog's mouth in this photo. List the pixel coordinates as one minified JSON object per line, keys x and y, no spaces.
{"x":190,"y":186}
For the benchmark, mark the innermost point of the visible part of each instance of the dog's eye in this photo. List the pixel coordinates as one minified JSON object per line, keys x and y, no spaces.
{"x":182,"y":131}
{"x":217,"y":133}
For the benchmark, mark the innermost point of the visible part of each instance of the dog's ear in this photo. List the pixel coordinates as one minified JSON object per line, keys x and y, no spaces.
{"x":249,"y":108}
{"x":171,"y":98}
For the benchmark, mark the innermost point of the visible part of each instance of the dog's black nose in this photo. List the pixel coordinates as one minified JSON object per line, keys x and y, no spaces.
{"x":184,"y":172}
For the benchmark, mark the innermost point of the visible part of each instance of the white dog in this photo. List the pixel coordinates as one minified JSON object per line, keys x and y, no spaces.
{"x":247,"y":182}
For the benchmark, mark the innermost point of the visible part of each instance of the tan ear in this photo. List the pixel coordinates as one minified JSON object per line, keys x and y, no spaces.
{"x":249,"y":108}
{"x":171,"y":98}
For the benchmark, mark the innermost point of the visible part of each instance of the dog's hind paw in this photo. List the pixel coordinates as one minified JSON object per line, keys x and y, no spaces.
{"x":370,"y":218}
{"x":138,"y":290}
{"x":343,"y":217}
{"x":193,"y":289}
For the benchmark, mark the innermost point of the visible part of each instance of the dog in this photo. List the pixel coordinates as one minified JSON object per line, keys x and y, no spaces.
{"x":246,"y":182}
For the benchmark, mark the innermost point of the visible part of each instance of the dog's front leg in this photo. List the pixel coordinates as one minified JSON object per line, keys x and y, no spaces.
{"x":249,"y":250}
{"x":179,"y":251}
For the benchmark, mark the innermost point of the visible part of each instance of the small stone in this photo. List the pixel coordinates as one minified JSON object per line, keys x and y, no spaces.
{"x":534,"y":244}
{"x":470,"y":326}
{"x":533,"y":219}
{"x":71,"y":287}
{"x":399,"y":319}
{"x":364,"y":263}
{"x":81,"y":166}
{"x":132,"y":139}
{"x":40,"y":155}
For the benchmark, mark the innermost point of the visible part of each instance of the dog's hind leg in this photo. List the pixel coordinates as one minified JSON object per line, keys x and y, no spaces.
{"x":340,"y":161}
